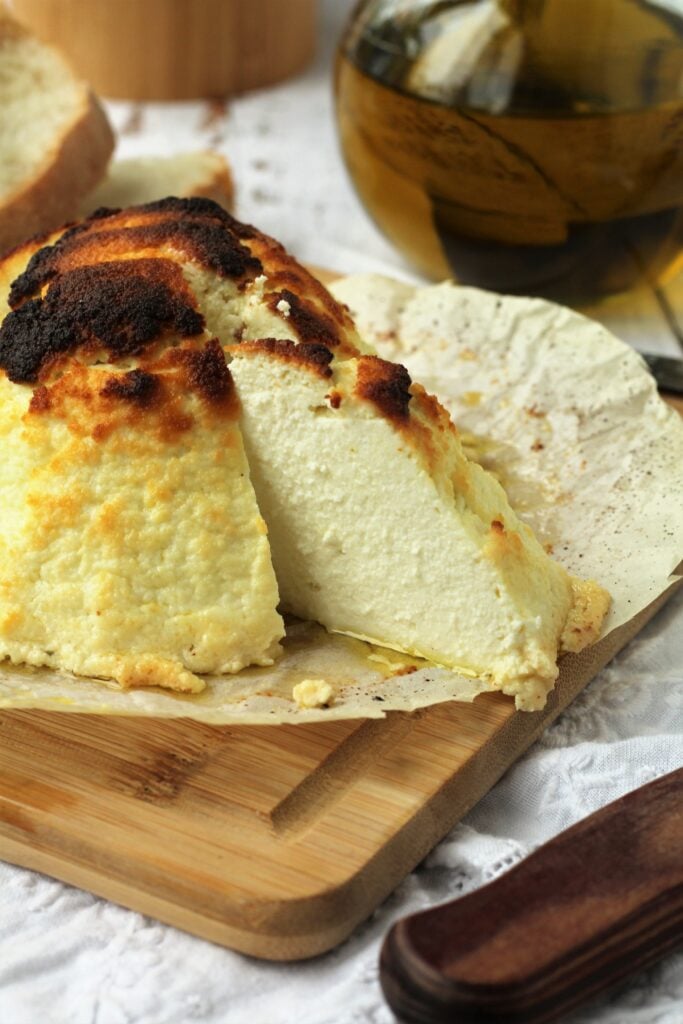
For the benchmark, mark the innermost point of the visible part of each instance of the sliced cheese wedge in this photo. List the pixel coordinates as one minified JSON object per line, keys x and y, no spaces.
{"x":381,"y":528}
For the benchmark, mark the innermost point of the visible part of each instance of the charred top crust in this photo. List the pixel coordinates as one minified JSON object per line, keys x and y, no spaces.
{"x":194,"y":230}
{"x":196,"y":206}
{"x":313,"y":356}
{"x":310,"y":324}
{"x":197,"y":228}
{"x":386,"y":385}
{"x":122,"y":307}
{"x":207,"y":372}
{"x":138,"y":387}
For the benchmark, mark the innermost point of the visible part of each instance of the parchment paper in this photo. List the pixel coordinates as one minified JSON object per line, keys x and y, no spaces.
{"x":565,"y":414}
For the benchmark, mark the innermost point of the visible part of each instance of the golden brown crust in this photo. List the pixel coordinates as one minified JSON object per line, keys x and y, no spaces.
{"x":206,"y":373}
{"x":136,"y":386}
{"x":148,"y":670}
{"x":112,"y":289}
{"x":586,"y":617}
{"x":432,"y":410}
{"x":502,"y":543}
{"x":307,"y":323}
{"x":16,"y":259}
{"x":315,"y":315}
{"x":197,"y":229}
{"x":427,"y":427}
{"x":154,"y":396}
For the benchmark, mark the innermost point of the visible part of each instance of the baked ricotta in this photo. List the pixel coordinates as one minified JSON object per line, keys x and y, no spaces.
{"x":132,"y":543}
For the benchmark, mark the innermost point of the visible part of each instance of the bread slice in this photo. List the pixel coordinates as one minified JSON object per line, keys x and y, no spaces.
{"x":379,"y":526}
{"x":55,"y":140}
{"x":146,"y":178}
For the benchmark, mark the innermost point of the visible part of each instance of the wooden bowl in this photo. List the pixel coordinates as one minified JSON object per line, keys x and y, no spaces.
{"x":176,"y":49}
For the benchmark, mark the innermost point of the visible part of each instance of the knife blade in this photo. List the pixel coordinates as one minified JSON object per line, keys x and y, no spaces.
{"x":667,"y":371}
{"x":595,"y":904}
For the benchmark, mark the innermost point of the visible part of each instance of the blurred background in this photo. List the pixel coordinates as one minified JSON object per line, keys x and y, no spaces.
{"x":524,"y":145}
{"x":280,"y":141}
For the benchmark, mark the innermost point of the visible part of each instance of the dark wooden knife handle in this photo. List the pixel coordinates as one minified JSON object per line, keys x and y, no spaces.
{"x":597,"y":903}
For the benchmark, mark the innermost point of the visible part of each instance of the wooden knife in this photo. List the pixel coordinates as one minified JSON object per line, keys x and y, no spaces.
{"x":595,"y":904}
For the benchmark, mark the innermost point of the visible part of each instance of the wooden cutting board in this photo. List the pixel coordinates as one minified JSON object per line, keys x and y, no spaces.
{"x":275,"y":841}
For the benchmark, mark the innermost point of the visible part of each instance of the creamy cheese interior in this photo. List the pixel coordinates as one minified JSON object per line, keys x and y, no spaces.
{"x":390,"y":534}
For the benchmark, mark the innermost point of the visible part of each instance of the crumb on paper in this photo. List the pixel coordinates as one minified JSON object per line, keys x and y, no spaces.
{"x":312,"y":693}
{"x":405,"y":670}
{"x":393,"y":666}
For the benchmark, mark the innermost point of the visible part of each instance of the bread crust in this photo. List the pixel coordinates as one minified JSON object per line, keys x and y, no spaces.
{"x":72,"y":164}
{"x":143,"y":179}
{"x":217,"y":185}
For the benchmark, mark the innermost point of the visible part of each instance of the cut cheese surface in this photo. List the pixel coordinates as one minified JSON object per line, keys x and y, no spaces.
{"x":381,"y":528}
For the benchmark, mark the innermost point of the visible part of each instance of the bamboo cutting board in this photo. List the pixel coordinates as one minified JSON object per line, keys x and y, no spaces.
{"x":275,"y":841}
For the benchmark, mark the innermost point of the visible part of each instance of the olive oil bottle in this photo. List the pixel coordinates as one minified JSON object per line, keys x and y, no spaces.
{"x":523,"y":145}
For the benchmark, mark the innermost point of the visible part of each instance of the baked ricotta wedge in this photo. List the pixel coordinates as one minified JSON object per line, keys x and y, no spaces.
{"x":380,"y":527}
{"x":131,"y":543}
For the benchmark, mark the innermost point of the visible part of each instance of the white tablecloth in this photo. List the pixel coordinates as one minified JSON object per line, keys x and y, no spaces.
{"x":66,"y":956}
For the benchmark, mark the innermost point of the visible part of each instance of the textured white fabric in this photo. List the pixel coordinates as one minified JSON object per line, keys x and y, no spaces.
{"x":66,"y":956}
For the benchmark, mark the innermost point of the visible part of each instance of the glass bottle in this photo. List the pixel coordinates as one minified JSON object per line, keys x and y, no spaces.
{"x":522,"y":145}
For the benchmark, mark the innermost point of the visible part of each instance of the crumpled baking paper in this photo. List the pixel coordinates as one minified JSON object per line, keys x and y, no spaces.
{"x":569,"y":419}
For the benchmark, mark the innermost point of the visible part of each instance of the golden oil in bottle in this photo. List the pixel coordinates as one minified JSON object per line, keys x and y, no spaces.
{"x":521,"y":145}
